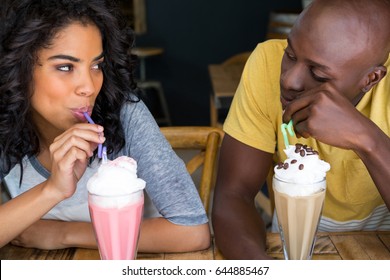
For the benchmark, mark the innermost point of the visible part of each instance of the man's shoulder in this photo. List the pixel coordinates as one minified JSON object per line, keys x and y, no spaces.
{"x":275,"y":43}
{"x":272,"y":46}
{"x":269,"y":52}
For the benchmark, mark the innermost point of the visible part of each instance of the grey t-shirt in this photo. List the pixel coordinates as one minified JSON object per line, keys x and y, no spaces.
{"x":168,"y":185}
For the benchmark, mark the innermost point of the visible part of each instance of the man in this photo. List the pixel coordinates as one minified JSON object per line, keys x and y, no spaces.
{"x":329,"y":77}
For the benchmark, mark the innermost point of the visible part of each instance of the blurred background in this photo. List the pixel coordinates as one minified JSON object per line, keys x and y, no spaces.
{"x":194,"y":34}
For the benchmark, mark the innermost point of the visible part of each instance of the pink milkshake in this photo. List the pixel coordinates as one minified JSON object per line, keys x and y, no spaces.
{"x":116,"y":200}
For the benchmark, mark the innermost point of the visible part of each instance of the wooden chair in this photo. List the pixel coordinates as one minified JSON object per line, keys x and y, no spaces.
{"x":203,"y":142}
{"x":280,"y":24}
{"x":237,"y":60}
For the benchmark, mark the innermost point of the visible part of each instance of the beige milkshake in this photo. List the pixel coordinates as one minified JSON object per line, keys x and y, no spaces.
{"x":299,"y":188}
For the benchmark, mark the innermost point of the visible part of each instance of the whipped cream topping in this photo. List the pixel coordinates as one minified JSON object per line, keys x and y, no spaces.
{"x":302,"y":166}
{"x":117,"y":177}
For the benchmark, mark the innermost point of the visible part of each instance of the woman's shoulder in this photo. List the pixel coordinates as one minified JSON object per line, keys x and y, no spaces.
{"x":135,"y":116}
{"x":134,"y":105}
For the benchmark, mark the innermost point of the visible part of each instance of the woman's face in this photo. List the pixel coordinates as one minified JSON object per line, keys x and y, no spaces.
{"x":67,"y":78}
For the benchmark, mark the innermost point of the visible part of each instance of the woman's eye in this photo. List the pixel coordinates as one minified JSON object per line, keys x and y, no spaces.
{"x":98,"y":66}
{"x":65,"y":68}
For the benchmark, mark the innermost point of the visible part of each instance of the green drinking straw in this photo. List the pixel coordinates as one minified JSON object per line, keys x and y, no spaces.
{"x":287,"y":128}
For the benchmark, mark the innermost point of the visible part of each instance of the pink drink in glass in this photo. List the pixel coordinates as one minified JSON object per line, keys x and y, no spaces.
{"x":116,"y":221}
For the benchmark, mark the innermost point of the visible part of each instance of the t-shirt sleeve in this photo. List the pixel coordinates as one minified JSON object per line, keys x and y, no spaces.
{"x":168,"y":184}
{"x":256,"y":103}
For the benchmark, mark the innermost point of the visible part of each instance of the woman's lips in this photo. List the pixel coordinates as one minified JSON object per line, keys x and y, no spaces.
{"x":79,"y":113}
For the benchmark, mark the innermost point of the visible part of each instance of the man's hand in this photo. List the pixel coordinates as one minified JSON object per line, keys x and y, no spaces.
{"x":328,"y":116}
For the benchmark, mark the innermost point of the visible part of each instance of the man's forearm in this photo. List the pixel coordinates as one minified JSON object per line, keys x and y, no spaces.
{"x":240,"y":232}
{"x":375,"y":153}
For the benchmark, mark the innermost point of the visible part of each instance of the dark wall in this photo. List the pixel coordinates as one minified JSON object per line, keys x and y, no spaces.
{"x":195,"y":33}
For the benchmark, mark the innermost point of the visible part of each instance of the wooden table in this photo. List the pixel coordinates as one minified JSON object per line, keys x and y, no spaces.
{"x":342,"y":246}
{"x":329,"y":246}
{"x":224,"y":80}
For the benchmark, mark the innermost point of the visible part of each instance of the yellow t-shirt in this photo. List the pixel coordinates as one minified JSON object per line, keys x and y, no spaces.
{"x":352,"y":201}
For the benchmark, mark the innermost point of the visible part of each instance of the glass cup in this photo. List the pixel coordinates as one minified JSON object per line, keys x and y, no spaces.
{"x":116,"y":221}
{"x":298,"y":217}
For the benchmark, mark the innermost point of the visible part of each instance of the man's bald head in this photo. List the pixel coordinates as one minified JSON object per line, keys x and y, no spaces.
{"x":345,"y":42}
{"x":363,"y":23}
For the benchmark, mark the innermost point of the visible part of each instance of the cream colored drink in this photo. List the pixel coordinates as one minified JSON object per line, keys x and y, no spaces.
{"x":299,"y":186}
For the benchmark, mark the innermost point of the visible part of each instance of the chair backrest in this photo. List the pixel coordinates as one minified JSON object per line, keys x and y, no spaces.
{"x":239,"y":58}
{"x":204,"y":142}
{"x":237,"y":61}
{"x":280,"y":24}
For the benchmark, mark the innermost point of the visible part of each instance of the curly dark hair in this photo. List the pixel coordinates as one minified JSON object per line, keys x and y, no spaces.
{"x":30,"y":25}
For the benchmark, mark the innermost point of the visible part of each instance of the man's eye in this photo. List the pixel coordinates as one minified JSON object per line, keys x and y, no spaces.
{"x":65,"y":68}
{"x":289,"y":55}
{"x":318,"y":78}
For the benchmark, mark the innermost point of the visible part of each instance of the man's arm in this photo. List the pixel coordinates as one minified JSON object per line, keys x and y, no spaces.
{"x":239,"y":230}
{"x":374,"y":150}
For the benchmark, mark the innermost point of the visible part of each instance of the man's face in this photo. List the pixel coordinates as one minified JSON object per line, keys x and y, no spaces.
{"x":324,"y":50}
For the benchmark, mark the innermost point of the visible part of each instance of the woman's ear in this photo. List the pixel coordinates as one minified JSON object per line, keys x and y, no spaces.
{"x":374,"y":77}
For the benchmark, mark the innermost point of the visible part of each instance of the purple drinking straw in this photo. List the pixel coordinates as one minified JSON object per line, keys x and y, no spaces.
{"x":100,"y":146}
{"x":104,"y":154}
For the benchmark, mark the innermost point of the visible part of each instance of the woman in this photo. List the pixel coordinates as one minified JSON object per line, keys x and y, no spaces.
{"x":59,"y":59}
